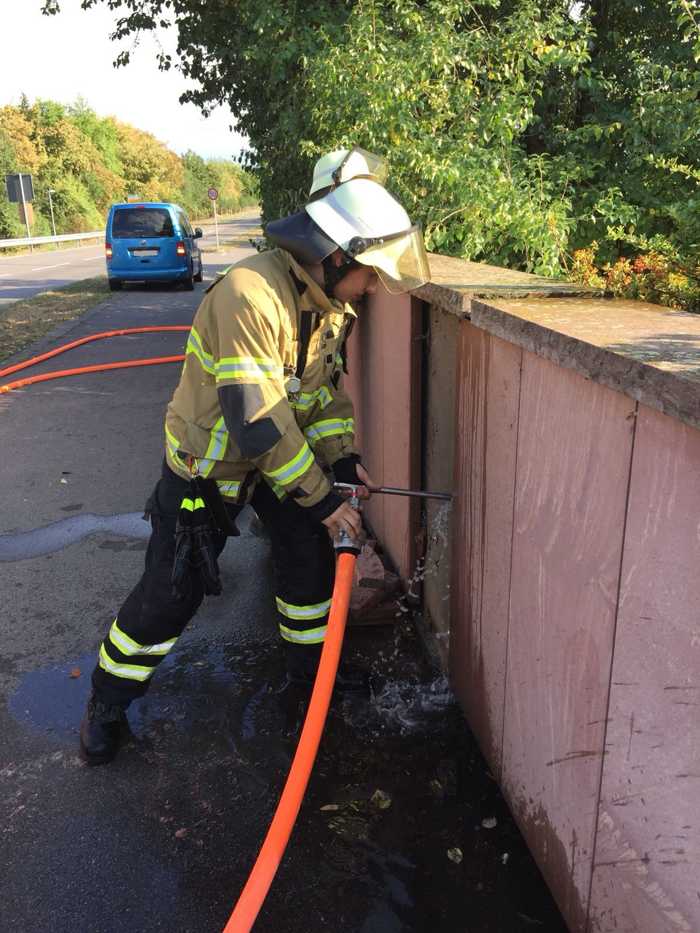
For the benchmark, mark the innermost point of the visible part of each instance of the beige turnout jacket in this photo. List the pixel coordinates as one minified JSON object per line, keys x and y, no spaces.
{"x":240,"y":410}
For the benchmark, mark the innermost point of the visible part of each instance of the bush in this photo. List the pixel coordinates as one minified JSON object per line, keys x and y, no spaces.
{"x":648,"y":277}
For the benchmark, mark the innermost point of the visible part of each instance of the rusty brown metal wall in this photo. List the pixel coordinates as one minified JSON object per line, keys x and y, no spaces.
{"x":573,"y":460}
{"x":575,"y":635}
{"x":439,"y":360}
{"x":575,"y":628}
{"x":384,"y":383}
{"x":541,"y":477}
{"x":647,"y":875}
{"x":488,"y":391}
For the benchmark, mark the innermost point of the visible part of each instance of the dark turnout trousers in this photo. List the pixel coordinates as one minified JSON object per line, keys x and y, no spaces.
{"x":152,"y":619}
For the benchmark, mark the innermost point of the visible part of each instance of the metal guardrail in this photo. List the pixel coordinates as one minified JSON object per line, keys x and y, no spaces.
{"x":39,"y":240}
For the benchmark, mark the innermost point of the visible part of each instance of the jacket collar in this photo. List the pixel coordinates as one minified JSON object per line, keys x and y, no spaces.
{"x":314,"y":298}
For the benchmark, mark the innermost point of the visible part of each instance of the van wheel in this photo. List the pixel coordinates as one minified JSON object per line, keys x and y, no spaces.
{"x":115,"y":285}
{"x":200,"y":274}
{"x":188,"y":283}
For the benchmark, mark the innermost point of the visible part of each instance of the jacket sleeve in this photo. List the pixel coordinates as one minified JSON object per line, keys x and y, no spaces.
{"x":245,"y":339}
{"x":331,"y":433}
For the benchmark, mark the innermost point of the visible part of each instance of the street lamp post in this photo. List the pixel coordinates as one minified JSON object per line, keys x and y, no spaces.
{"x":53,"y":222}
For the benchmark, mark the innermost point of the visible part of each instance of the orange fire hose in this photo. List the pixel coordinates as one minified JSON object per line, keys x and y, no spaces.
{"x":57,"y":374}
{"x":270,"y":856}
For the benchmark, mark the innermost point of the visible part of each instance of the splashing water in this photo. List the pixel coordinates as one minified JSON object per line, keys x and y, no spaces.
{"x":430,"y":565}
{"x":404,"y":707}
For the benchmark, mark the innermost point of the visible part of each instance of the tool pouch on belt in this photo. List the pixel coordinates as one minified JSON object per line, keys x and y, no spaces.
{"x":195,"y":544}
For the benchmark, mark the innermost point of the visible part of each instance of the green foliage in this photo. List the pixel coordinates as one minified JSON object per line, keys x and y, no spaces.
{"x":448,"y":92}
{"x":517,"y":131}
{"x":89,"y":162}
{"x":9,"y":220}
{"x":236,"y":188}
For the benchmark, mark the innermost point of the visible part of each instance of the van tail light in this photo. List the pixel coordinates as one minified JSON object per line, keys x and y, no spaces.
{"x":108,"y":250}
{"x":180,"y":248}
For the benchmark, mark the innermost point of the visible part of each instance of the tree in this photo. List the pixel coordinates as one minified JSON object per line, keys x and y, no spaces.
{"x":517,"y":131}
{"x":89,"y":162}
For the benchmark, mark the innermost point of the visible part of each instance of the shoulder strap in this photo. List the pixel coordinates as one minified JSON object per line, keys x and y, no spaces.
{"x":344,"y":348}
{"x":306,"y":327}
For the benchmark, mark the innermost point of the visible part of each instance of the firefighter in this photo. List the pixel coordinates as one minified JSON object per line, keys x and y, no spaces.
{"x":260,"y":417}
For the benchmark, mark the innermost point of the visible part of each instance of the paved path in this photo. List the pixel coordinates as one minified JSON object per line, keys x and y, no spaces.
{"x":163,"y":839}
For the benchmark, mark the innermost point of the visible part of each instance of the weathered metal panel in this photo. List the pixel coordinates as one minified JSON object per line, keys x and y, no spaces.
{"x":385,"y":387}
{"x":438,"y":448}
{"x":647,"y":858}
{"x":573,"y":462}
{"x":488,"y":385}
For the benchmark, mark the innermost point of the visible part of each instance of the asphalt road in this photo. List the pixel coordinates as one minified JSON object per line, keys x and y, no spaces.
{"x":163,"y":838}
{"x":31,"y":273}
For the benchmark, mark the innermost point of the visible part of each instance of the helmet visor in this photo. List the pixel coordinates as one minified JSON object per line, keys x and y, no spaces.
{"x":359,"y":163}
{"x":400,"y":261}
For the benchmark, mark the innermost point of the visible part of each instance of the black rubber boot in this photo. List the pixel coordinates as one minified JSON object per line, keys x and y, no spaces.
{"x":351,"y":678}
{"x":302,"y":663}
{"x":101,"y":731}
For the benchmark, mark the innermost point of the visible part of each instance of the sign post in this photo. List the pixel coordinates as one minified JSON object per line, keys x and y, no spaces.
{"x":53,"y":222}
{"x":21,"y":190}
{"x":213,"y":194}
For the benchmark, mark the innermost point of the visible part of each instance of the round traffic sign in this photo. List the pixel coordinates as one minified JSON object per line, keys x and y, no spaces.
{"x":213,"y":194}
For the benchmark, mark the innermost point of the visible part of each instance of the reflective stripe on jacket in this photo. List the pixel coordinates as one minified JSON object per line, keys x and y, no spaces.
{"x":235,"y":409}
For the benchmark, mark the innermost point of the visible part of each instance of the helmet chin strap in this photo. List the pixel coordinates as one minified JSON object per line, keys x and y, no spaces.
{"x":333,"y":274}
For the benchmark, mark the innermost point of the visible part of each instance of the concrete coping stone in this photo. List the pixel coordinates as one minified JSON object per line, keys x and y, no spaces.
{"x":455,"y":282}
{"x":649,"y":352}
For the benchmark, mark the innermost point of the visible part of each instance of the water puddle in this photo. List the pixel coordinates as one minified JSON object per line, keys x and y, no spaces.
{"x":50,"y":700}
{"x":390,"y":903}
{"x":200,"y":686}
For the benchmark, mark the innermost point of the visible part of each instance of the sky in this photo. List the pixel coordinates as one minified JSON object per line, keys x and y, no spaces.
{"x":70,"y":55}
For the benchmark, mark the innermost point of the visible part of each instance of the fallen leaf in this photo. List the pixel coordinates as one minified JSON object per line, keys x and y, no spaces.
{"x":180,"y":833}
{"x":381,"y":800}
{"x":75,"y":672}
{"x":455,"y":855}
{"x":331,"y":806}
{"x":490,"y":822}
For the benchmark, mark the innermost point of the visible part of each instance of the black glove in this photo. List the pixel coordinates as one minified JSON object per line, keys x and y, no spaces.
{"x":345,"y":470}
{"x":195,"y":547}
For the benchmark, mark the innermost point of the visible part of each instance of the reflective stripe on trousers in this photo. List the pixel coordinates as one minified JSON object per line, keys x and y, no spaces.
{"x":301,"y":623}
{"x":122,"y":656}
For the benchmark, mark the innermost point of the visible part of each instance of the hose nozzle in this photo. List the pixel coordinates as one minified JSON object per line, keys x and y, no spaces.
{"x":344,"y":542}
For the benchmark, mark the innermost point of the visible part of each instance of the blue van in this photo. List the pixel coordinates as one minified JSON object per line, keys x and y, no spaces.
{"x":151,"y":242}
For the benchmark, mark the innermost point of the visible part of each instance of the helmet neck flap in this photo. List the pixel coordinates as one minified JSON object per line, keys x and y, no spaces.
{"x":333,"y":275}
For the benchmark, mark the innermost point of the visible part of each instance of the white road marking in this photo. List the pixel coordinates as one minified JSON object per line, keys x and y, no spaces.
{"x":92,"y":258}
{"x":41,"y":268}
{"x":3,"y":274}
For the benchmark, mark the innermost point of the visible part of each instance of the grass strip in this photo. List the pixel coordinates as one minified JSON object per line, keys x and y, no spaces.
{"x":24,"y":321}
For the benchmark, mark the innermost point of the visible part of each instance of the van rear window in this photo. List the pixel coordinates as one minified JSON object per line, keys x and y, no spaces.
{"x":141,"y":222}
